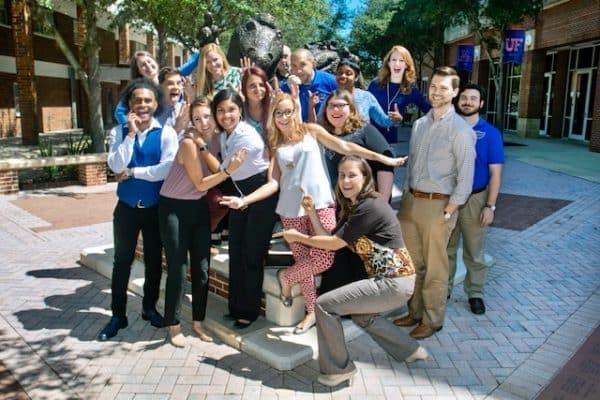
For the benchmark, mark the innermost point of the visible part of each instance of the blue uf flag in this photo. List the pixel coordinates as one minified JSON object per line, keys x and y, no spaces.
{"x":464,"y":57}
{"x":514,"y":46}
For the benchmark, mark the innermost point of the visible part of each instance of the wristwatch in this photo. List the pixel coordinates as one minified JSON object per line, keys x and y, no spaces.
{"x":447,"y":215}
{"x":204,"y":147}
{"x":491,"y":207}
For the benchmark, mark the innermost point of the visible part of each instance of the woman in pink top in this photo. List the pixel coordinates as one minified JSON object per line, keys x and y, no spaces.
{"x":184,"y":220}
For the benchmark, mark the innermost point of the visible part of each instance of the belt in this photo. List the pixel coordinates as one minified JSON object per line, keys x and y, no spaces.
{"x":430,"y":196}
{"x":479,"y":190}
{"x":139,"y":204}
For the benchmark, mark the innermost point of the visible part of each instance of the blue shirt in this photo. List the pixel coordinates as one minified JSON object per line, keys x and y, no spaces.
{"x":489,"y":149}
{"x":323,"y":83}
{"x":389,"y":95}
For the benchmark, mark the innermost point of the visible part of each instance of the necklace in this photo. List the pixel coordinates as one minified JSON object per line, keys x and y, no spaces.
{"x":390,"y":101}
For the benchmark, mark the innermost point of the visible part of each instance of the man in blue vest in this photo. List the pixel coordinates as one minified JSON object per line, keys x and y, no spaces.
{"x":141,"y":154}
{"x":478,"y":212}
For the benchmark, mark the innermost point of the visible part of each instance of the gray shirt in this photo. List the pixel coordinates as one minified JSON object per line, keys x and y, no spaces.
{"x":442,"y":156}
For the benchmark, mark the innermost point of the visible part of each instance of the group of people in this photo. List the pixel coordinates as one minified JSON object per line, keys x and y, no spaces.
{"x":315,"y":150}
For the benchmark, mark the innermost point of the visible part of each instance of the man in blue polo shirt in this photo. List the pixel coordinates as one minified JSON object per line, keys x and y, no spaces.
{"x":312,"y":81}
{"x":478,"y":212}
{"x":141,"y":153}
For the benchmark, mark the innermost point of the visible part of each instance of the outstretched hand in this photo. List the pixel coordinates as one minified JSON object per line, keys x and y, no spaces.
{"x":246,"y":63}
{"x":395,"y":162}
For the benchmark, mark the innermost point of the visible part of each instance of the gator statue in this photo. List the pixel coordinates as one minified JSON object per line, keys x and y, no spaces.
{"x":259,"y":39}
{"x":327,"y":55}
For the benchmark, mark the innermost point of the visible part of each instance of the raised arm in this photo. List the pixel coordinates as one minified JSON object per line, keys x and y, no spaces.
{"x":340,"y":146}
{"x":188,"y":155}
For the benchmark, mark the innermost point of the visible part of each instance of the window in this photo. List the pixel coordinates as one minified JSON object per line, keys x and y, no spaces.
{"x":43,"y":21}
{"x":512,"y":89}
{"x":4,"y":12}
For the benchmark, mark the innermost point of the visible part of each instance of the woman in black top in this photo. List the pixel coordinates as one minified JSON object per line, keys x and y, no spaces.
{"x":368,"y":226}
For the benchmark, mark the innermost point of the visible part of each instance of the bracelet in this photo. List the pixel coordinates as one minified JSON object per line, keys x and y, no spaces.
{"x":226,"y":173}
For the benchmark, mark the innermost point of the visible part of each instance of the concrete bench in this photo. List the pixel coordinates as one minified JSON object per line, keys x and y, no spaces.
{"x":91,"y":169}
{"x":275,"y":311}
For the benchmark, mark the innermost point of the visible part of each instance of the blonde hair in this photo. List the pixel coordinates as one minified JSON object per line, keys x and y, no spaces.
{"x":204,"y":85}
{"x":410,"y":76}
{"x":274,"y":136}
{"x":354,"y":122}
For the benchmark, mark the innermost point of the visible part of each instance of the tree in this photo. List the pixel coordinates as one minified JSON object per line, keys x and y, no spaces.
{"x":87,"y":67}
{"x":183,"y":19}
{"x":369,"y":30}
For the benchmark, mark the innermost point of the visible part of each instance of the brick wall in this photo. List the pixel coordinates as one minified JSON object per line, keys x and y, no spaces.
{"x":124,"y":46}
{"x":150,"y":46}
{"x":9,"y":182}
{"x":571,"y":22}
{"x":92,"y":174}
{"x":531,"y":97}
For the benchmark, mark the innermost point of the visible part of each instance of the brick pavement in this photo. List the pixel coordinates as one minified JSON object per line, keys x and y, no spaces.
{"x":543,"y":301}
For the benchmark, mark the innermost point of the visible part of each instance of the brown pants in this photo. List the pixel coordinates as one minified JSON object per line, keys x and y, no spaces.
{"x":426,"y":234}
{"x":473,"y":238}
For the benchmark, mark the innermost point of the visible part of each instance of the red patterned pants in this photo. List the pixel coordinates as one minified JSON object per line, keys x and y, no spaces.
{"x":309,"y":260}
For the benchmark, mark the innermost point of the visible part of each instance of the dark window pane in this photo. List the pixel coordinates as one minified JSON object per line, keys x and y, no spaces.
{"x":585,"y":57}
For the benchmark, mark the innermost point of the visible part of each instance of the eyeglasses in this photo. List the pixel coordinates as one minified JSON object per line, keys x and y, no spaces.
{"x":338,"y":106}
{"x":281,"y":114}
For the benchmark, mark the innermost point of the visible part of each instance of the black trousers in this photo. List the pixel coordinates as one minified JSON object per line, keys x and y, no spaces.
{"x":250,"y":232}
{"x":185,"y":228}
{"x":347,"y":267}
{"x":127,"y":224}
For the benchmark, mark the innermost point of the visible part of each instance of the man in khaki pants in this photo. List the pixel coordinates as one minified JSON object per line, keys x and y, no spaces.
{"x":478,"y":211}
{"x":439,"y":179}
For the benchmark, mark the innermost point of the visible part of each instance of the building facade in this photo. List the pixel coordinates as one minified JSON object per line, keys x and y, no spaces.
{"x":555,"y":92}
{"x":61,"y":101}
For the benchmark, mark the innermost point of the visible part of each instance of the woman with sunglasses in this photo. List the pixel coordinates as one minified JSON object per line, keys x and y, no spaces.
{"x":295,"y":167}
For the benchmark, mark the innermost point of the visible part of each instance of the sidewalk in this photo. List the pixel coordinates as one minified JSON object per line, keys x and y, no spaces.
{"x":543,"y":300}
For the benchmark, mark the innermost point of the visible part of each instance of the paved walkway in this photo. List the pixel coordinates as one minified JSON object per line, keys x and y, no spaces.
{"x":543,"y":300}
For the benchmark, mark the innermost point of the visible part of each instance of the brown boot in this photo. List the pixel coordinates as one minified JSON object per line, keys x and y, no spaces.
{"x":406,"y":321}
{"x":423,"y":331}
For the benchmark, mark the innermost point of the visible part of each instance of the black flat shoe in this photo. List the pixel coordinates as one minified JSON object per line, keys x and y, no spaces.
{"x":242,"y":324}
{"x":112,"y":328}
{"x":477,"y":305}
{"x":156,"y":320}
